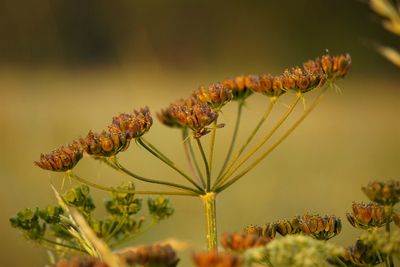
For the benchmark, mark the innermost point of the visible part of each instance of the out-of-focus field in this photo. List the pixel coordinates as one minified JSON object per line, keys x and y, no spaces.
{"x":350,"y":139}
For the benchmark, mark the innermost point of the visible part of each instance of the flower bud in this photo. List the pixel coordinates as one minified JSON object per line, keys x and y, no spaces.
{"x":62,"y":159}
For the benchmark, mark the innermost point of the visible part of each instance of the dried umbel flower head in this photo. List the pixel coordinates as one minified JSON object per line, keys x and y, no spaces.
{"x":167,"y":117}
{"x":267,"y":230}
{"x":242,"y":241}
{"x":216,"y":95}
{"x":62,"y":159}
{"x":238,"y":87}
{"x":301,"y":80}
{"x":384,"y":193}
{"x":335,"y":67}
{"x":196,"y":117}
{"x":271,"y":86}
{"x":153,"y":255}
{"x":320,"y":227}
{"x":288,"y":227}
{"x":361,"y":254}
{"x":134,"y":125}
{"x":105,"y":144}
{"x":215,"y":259}
{"x":368,"y":215}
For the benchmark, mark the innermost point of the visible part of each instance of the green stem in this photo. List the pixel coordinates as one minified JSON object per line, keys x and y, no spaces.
{"x":279,"y":141}
{"x":209,"y":200}
{"x":116,"y":228}
{"x":169,"y":163}
{"x":62,"y":245}
{"x":212,"y":144}
{"x":112,"y":189}
{"x":255,"y":149}
{"x":203,"y":155}
{"x":390,"y":257}
{"x":187,"y":145}
{"x":234,"y":136}
{"x":156,"y":150}
{"x":338,"y":260}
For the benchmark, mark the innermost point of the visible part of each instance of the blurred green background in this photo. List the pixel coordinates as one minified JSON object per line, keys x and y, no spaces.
{"x":69,"y":66}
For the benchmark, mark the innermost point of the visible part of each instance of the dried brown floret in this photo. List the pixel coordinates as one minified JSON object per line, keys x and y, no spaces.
{"x":384,"y":193}
{"x":134,"y":125}
{"x":268,"y":230}
{"x":196,"y":117}
{"x":238,"y":87}
{"x":153,"y":255}
{"x":320,"y":227}
{"x":285,"y":227}
{"x":105,"y":144}
{"x":62,"y":159}
{"x":216,"y":95}
{"x":368,"y":215}
{"x":215,"y":259}
{"x":242,"y":241}
{"x":361,"y":254}
{"x":334,"y":67}
{"x":167,"y":117}
{"x":81,"y":262}
{"x":396,"y":219}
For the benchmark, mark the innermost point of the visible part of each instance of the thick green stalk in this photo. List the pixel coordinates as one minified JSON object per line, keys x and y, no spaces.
{"x":209,"y":201}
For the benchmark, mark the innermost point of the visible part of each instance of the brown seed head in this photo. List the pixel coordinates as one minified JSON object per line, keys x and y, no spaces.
{"x":242,"y":241}
{"x":320,"y":227}
{"x":196,"y":117}
{"x":153,"y":255}
{"x":268,"y":230}
{"x":106,"y":144}
{"x":369,"y":215}
{"x":167,"y":117}
{"x":361,"y":254}
{"x":384,"y":193}
{"x":288,"y":227}
{"x":62,"y":159}
{"x":216,"y":95}
{"x":217,"y":259}
{"x":238,"y":87}
{"x":134,"y":125}
{"x":335,"y":66}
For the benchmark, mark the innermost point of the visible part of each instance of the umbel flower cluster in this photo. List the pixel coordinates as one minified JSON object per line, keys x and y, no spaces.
{"x":198,"y":119}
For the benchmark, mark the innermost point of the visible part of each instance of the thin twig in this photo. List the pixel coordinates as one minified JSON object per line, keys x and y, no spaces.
{"x":203,"y":155}
{"x":265,"y":139}
{"x":212,"y":144}
{"x":280,"y":140}
{"x":144,"y":144}
{"x":191,"y":159}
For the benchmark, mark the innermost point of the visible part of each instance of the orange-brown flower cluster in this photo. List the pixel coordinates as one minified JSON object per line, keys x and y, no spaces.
{"x":217,"y":259}
{"x":135,"y":124}
{"x":216,"y":95}
{"x":153,"y":255}
{"x":335,"y":67}
{"x":268,"y":230}
{"x":191,"y":114}
{"x":317,"y":226}
{"x":361,"y":254}
{"x":320,"y":227}
{"x":106,"y":143}
{"x":124,"y":128}
{"x":62,"y":159}
{"x":384,"y":193}
{"x":146,"y":256}
{"x":240,"y":89}
{"x":368,"y":215}
{"x":81,"y":262}
{"x":242,"y":241}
